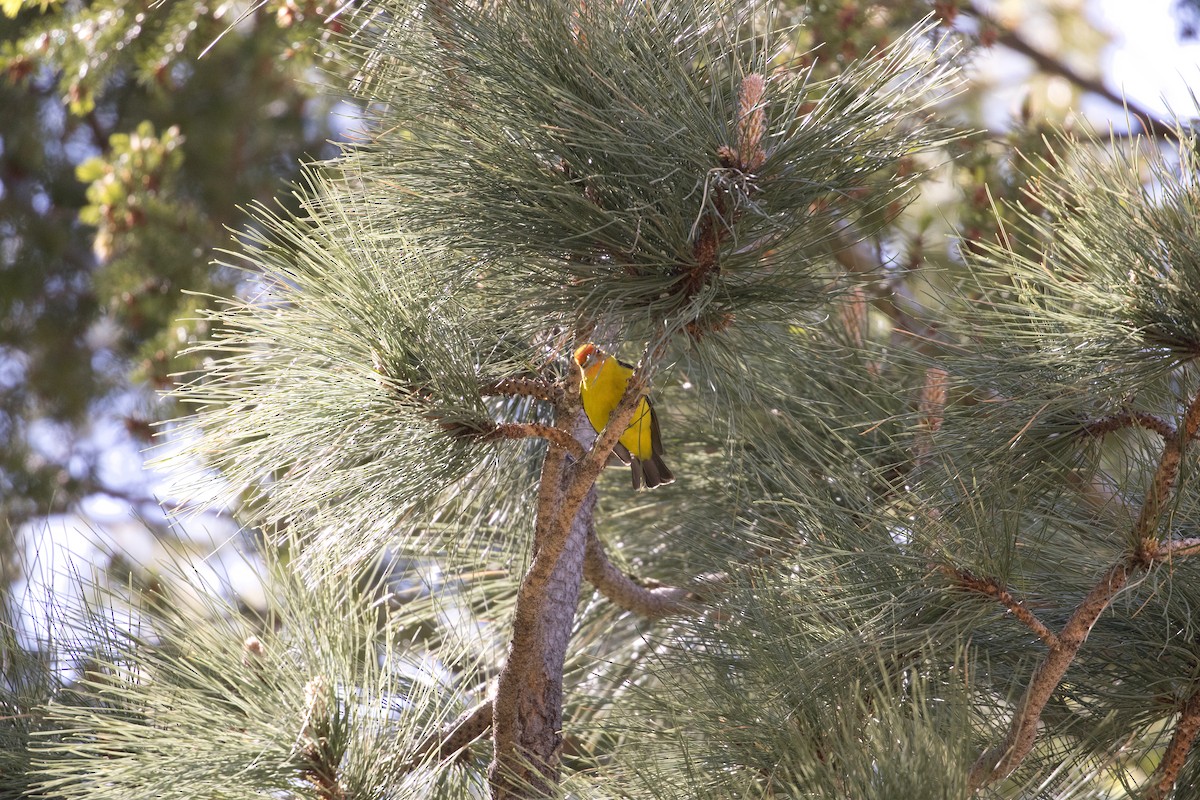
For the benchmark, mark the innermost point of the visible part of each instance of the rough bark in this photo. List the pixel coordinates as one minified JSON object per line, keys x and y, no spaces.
{"x":649,"y":602}
{"x":528,"y":721}
{"x":527,"y":714}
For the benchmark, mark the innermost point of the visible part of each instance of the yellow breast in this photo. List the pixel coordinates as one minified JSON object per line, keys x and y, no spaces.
{"x":603,"y":384}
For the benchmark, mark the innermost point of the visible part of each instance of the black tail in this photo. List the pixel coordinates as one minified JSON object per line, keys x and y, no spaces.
{"x":651,"y":473}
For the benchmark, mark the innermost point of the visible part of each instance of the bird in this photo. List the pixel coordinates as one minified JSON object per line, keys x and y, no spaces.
{"x":603,"y":380}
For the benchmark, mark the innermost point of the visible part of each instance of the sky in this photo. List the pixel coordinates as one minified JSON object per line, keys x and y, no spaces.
{"x":1147,"y":62}
{"x":1145,"y":59}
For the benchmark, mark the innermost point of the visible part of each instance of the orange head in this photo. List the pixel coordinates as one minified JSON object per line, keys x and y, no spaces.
{"x":586,"y":355}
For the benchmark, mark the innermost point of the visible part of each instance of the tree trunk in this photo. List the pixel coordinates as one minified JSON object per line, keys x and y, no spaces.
{"x":527,"y":718}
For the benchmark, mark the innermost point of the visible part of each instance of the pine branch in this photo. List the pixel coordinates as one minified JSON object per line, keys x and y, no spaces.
{"x":717,"y":222}
{"x":999,"y":761}
{"x":526,"y":678}
{"x":1128,"y":419}
{"x":651,"y":603}
{"x":1146,"y":528}
{"x":527,"y":712}
{"x":1186,"y":728}
{"x":527,"y":718}
{"x":1098,"y":489}
{"x":506,"y":708}
{"x":524,"y":430}
{"x":568,"y":417}
{"x":548,"y":391}
{"x":468,"y":727}
{"x":549,"y":496}
{"x":990,"y":587}
{"x":1178,"y":549}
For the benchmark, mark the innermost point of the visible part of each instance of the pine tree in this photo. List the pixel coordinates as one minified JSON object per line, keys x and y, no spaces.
{"x":913,"y":547}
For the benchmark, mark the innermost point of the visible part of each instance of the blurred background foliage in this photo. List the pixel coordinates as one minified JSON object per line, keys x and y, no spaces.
{"x":130,"y":135}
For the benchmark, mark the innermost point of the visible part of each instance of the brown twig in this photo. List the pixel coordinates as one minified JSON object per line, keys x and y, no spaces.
{"x":1098,"y":490}
{"x":582,"y":476}
{"x":1177,"y":549}
{"x":1186,"y":728}
{"x":524,"y":387}
{"x":649,"y":602}
{"x":1146,"y":528}
{"x":1131,"y":419}
{"x":525,"y":430}
{"x":1000,"y":760}
{"x":452,"y":738}
{"x":990,"y":587}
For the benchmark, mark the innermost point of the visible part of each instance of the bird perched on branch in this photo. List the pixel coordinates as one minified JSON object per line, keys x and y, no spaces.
{"x":640,"y":446}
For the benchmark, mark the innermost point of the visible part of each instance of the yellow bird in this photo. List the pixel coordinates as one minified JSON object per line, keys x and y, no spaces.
{"x":640,"y":446}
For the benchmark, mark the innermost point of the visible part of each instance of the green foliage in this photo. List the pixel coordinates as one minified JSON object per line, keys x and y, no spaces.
{"x":594,"y":180}
{"x":119,"y":188}
{"x":382,"y":375}
{"x":373,"y":383}
{"x":93,"y":46}
{"x":193,"y":693}
{"x":887,"y":515}
{"x":1077,"y":323}
{"x":27,"y":685}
